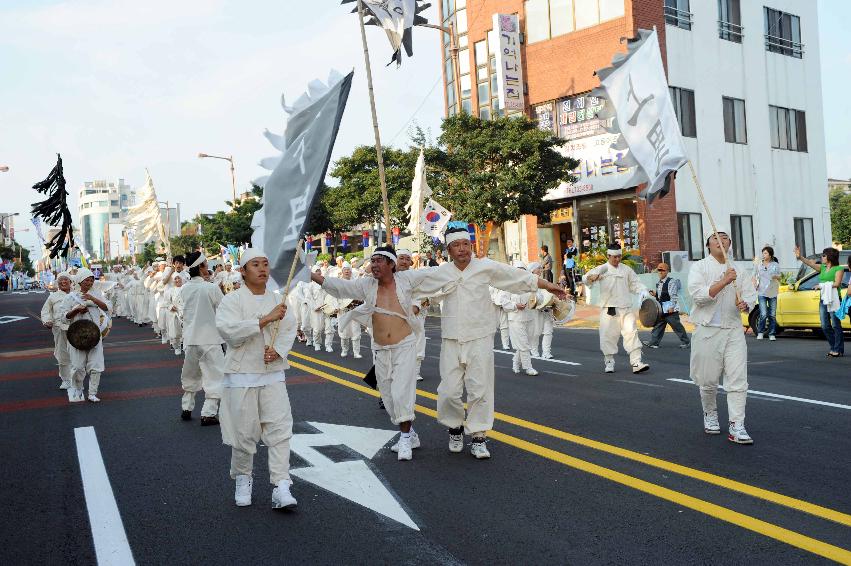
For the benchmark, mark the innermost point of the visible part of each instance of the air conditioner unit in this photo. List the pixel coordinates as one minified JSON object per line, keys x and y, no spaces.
{"x":678,"y":260}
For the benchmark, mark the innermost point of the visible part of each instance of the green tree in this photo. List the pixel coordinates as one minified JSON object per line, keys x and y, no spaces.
{"x":148,"y":254}
{"x":183,"y":244}
{"x":14,"y":252}
{"x":491,"y":171}
{"x":840,"y":215}
{"x":357,"y":198}
{"x":232,"y":226}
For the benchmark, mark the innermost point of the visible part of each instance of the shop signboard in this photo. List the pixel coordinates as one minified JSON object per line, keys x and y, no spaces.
{"x":509,"y":67}
{"x":545,"y":116}
{"x":597,"y":171}
{"x":577,"y":117}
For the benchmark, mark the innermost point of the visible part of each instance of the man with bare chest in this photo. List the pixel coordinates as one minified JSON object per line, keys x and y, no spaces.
{"x":387,"y":311}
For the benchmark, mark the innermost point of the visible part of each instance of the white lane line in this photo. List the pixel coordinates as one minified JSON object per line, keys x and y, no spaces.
{"x":778,"y":396}
{"x":111,"y":544}
{"x":509,"y":352}
{"x":638,"y":383}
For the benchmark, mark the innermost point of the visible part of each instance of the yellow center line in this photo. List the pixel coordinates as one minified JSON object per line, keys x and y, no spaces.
{"x":770,"y":530}
{"x":720,"y":481}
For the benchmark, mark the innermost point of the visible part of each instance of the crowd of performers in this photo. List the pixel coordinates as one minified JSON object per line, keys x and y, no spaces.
{"x":235,"y":336}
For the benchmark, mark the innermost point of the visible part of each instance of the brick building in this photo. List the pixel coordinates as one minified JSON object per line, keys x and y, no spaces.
{"x":762,"y":177}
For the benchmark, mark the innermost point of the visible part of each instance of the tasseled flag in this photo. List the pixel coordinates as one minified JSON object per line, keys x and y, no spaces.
{"x":54,"y":210}
{"x":397,"y":17}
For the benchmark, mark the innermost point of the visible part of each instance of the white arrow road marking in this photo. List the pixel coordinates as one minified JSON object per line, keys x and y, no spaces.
{"x":778,"y":396}
{"x":111,"y":546}
{"x":353,"y":480}
{"x":8,"y":318}
{"x":542,"y":359}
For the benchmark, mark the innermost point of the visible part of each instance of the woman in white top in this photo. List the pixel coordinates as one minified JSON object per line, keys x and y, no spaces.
{"x":767,"y":287}
{"x":255,"y":405}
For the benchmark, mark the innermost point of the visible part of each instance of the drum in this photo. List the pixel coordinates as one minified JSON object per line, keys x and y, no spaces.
{"x":545,"y":299}
{"x":563,"y":310}
{"x":83,"y":334}
{"x":649,"y":312}
{"x":329,"y":307}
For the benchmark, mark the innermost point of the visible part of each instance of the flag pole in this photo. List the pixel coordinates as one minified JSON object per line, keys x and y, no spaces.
{"x":286,"y":292}
{"x":378,"y":151}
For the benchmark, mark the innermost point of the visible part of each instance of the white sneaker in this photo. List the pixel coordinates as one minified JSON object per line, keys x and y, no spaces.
{"x":344,"y":354}
{"x":535,"y":354}
{"x":329,"y":350}
{"x":414,"y":439}
{"x":94,"y":399}
{"x":317,"y":347}
{"x":710,"y":423}
{"x":610,"y":366}
{"x":547,"y":356}
{"x":772,"y":338}
{"x":357,"y":356}
{"x":177,"y":351}
{"x":282,"y":498}
{"x":456,"y":443}
{"x":419,"y":378}
{"x":403,"y":448}
{"x":242,"y":497}
{"x":759,"y":336}
{"x":738,"y":434}
{"x":479,"y":450}
{"x":531,"y":371}
{"x":640,"y":367}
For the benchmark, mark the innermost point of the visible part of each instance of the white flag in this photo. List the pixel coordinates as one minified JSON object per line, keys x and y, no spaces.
{"x":145,"y":217}
{"x":397,"y":18}
{"x":640,"y":104}
{"x":419,"y":192}
{"x":434,"y":219}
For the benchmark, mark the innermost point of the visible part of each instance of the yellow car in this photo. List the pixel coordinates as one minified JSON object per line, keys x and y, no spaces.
{"x":798,"y":304}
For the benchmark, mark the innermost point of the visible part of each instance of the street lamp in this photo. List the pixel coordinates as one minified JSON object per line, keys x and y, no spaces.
{"x":232,"y":173}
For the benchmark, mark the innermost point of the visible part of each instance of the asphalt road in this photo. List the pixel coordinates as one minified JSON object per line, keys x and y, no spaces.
{"x":587,"y":468}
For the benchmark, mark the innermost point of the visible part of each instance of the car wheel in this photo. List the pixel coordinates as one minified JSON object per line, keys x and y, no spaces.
{"x":778,"y":330}
{"x":753,"y":320}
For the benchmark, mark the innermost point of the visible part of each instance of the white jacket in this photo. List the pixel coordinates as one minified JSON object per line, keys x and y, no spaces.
{"x":703,"y":275}
{"x":617,"y":285}
{"x":50,"y":310}
{"x":200,"y":300}
{"x":238,"y":321}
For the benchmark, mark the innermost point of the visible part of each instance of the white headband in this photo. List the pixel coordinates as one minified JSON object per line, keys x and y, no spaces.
{"x":201,"y":259}
{"x":614,"y":252}
{"x":388,"y":255}
{"x":453,"y":236}
{"x":251,"y":253}
{"x":403,"y":251}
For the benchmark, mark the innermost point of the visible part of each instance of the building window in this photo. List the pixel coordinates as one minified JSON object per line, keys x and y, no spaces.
{"x":742,"y":237}
{"x":735,"y":123}
{"x":683,"y":100}
{"x":804,"y":236}
{"x":783,"y":33}
{"x":677,"y":14}
{"x":730,"y":20}
{"x":85,"y":205}
{"x":788,"y":128}
{"x":103,"y":203}
{"x":113,"y":203}
{"x":546,"y":19}
{"x":690,"y":227}
{"x":115,"y":215}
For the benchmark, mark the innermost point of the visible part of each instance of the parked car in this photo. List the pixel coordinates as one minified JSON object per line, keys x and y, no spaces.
{"x":798,"y":303}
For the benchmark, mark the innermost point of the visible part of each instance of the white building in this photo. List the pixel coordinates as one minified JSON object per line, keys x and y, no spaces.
{"x":746,"y":81}
{"x":102,"y":203}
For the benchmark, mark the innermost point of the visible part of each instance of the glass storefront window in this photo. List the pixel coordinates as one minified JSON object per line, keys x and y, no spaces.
{"x":608,"y":219}
{"x":624,"y":221}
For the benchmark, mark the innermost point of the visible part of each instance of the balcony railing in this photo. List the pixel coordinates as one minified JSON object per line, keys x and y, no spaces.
{"x":679,"y":18}
{"x":784,"y":46}
{"x":730,"y":31}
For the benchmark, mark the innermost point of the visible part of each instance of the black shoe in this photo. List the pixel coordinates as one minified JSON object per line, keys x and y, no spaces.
{"x":381,"y":404}
{"x":186,"y":415}
{"x":209,"y":421}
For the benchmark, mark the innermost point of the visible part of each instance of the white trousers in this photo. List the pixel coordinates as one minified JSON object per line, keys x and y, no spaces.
{"x":504,"y":334}
{"x":203,"y":368}
{"x":317,"y":324}
{"x":329,"y":323}
{"x":622,"y":324}
{"x":304,"y":318}
{"x":82,"y":363}
{"x":60,"y":352}
{"x":350,"y":335}
{"x":546,"y":332}
{"x":175,"y":328}
{"x":396,"y":373}
{"x":518,"y":329}
{"x":716,"y":351}
{"x":253,"y":414}
{"x":470,"y":365}
{"x":152,"y":314}
{"x":162,"y":322}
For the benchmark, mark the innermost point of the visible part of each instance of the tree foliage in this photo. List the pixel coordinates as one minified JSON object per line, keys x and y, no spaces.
{"x":840,"y":215}
{"x":15,"y":251}
{"x":496,"y":170}
{"x":231,"y":226}
{"x":183,"y":244}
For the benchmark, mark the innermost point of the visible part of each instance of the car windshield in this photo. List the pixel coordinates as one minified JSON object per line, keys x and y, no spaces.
{"x":811,"y":282}
{"x":805,"y":269}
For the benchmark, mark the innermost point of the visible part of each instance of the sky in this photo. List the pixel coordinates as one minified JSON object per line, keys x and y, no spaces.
{"x":119,"y":86}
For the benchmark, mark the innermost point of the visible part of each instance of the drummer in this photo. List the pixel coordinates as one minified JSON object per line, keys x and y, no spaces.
{"x":618,"y":284}
{"x":85,"y":304}
{"x":668,"y":294}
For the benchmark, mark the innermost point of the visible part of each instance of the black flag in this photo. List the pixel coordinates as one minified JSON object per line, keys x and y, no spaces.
{"x":54,"y":210}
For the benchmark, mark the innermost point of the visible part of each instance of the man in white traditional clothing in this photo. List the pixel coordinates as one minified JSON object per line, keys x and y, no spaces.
{"x":316,"y":301}
{"x":255,"y":404}
{"x":502,"y":325}
{"x":386,"y":310}
{"x":350,"y":334}
{"x":420,"y":306}
{"x":618,"y":285}
{"x":165,"y":284}
{"x":520,"y":322}
{"x":720,"y":293}
{"x":174,"y":313}
{"x":468,"y":323}
{"x":86,"y":304}
{"x":203,"y":360}
{"x":51,"y":319}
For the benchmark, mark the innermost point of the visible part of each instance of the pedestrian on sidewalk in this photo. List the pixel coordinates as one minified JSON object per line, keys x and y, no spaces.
{"x":569,"y":263}
{"x":668,"y":294}
{"x":720,"y":294}
{"x":768,"y":286}
{"x":830,"y":281}
{"x":618,"y":284}
{"x":546,"y":263}
{"x":255,"y":404}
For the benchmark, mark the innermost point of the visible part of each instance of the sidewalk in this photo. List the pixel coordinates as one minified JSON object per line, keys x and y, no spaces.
{"x":588,"y":316}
